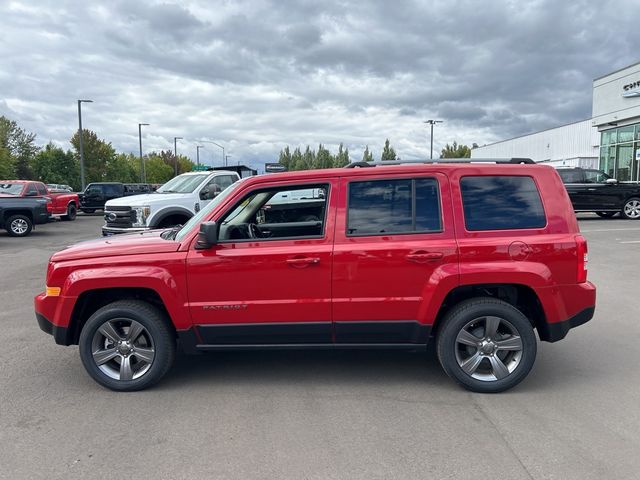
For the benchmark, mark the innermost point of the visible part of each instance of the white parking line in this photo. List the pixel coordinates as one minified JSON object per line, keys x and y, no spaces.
{"x":612,"y":230}
{"x":632,"y":241}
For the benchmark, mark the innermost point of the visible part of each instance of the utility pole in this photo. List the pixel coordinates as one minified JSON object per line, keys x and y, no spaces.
{"x":175,"y":153}
{"x":143,"y":175}
{"x":81,"y":141}
{"x":226,"y":160}
{"x":198,"y":147}
{"x":432,"y":123}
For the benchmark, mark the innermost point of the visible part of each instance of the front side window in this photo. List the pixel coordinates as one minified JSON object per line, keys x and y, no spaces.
{"x":277,"y":213}
{"x":595,"y":176}
{"x":382,"y":207}
{"x":501,"y":203}
{"x":42,"y":190}
{"x":31,"y":190}
{"x":112,"y":190}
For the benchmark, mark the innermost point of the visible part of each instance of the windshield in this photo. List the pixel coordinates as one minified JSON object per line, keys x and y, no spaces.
{"x":11,"y":188}
{"x":197,"y":218}
{"x":182,"y":184}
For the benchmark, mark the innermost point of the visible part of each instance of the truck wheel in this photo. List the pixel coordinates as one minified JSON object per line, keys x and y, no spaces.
{"x":19,"y":225}
{"x":486,"y":345}
{"x":606,"y":214}
{"x":631,"y":209}
{"x":72,"y":212}
{"x":88,"y":210}
{"x":127,"y":345}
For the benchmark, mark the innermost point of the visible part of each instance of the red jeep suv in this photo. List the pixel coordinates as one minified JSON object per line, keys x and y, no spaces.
{"x":473,"y":256}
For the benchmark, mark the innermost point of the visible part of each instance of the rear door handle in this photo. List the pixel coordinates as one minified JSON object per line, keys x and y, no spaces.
{"x":303,"y":261}
{"x":421,"y":257}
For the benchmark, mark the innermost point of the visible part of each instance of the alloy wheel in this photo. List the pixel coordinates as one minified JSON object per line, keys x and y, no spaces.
{"x":19,"y":226}
{"x":488,"y":348}
{"x":123,"y":349}
{"x":632,"y":209}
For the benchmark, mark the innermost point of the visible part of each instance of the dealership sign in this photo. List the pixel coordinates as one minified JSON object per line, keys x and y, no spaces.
{"x":274,"y":167}
{"x":631,"y":90}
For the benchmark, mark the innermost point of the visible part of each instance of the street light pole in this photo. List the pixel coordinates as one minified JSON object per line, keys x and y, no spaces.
{"x":198,"y":147}
{"x":81,"y":140}
{"x":175,"y":153}
{"x":143,"y":176}
{"x":432,"y":123}
{"x":224,"y":161}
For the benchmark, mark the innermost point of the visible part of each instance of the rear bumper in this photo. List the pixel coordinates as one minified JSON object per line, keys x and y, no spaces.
{"x":552,"y":332}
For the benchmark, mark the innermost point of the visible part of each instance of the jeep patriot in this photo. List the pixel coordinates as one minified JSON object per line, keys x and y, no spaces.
{"x":475,"y":256}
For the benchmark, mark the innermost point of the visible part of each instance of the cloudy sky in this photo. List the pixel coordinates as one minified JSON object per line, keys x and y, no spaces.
{"x":257,"y":75}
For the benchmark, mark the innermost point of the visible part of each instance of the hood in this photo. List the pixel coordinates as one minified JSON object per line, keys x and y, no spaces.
{"x":144,"y":199}
{"x":118,"y":245}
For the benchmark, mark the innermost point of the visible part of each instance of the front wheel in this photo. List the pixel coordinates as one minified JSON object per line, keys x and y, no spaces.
{"x":606,"y":214}
{"x":72,"y":212}
{"x":631,"y":209}
{"x":19,"y":225}
{"x":486,"y":345}
{"x":127,"y":345}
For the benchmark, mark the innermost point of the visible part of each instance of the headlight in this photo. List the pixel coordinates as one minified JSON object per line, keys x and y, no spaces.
{"x":141,"y":215}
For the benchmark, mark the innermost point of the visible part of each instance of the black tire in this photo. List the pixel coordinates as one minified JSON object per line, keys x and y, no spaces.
{"x":88,"y":210}
{"x":606,"y":214}
{"x":18,"y":225}
{"x":470,"y":313}
{"x":72,"y":213}
{"x":157,"y":334}
{"x":631,"y":209}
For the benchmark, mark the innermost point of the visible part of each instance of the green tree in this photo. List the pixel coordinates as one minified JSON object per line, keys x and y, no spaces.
{"x":157,"y":169}
{"x":367,"y":156}
{"x":17,"y":149}
{"x":184,"y":164}
{"x":388,"y":153}
{"x":308,"y":159}
{"x":285,"y":158}
{"x":54,"y":165}
{"x":342,"y":158}
{"x":323,"y":159}
{"x":455,"y":151}
{"x":123,"y":167}
{"x":297,"y":161}
{"x":97,"y":154}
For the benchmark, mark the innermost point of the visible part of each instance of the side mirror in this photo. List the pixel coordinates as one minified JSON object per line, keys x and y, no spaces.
{"x":208,"y":235}
{"x":204,"y":194}
{"x":611,"y":181}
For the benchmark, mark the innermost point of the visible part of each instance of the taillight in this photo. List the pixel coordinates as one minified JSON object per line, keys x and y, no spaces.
{"x":582,"y":254}
{"x":49,"y":206}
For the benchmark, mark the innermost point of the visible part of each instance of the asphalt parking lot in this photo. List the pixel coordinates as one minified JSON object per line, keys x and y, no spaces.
{"x":325,"y":415}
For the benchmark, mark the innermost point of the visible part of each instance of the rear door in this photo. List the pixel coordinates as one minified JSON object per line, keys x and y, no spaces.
{"x":395,"y":245}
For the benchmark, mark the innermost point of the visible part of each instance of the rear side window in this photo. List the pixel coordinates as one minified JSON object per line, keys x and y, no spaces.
{"x":571,"y":176}
{"x":501,"y":203}
{"x":384,"y":207}
{"x":42,"y":190}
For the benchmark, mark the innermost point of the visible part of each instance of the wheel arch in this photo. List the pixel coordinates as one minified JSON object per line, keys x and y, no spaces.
{"x":165,"y":213}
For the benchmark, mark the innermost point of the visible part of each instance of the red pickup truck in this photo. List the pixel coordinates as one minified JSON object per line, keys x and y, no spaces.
{"x":62,"y":204}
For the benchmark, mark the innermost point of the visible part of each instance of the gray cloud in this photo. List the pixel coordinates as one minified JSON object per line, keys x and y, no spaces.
{"x":257,"y":75}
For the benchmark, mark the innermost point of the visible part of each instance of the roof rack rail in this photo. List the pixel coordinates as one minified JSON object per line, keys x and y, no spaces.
{"x":500,"y":161}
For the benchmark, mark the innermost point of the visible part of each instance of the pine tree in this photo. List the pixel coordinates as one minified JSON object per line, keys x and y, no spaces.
{"x":342,"y":159}
{"x":388,"y":153}
{"x":367,"y":156}
{"x":285,"y":158}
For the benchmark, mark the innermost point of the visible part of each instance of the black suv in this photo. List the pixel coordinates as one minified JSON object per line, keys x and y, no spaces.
{"x":593,"y":190}
{"x":96,"y":194}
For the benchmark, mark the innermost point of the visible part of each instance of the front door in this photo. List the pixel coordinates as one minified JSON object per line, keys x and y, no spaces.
{"x":394,"y":245}
{"x":268,"y":280}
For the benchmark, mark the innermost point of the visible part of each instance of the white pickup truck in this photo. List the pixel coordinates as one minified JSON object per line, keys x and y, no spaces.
{"x":172,"y":204}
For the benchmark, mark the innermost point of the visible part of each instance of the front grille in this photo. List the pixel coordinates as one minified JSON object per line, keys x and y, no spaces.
{"x":119,"y":217}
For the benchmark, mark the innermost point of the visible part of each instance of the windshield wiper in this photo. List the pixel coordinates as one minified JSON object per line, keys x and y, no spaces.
{"x":171,"y":234}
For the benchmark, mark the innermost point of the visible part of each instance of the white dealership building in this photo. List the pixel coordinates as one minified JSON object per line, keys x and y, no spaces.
{"x":609,"y":140}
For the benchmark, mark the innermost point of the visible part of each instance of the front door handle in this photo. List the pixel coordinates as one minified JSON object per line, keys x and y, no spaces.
{"x":421,"y":257}
{"x":303,"y":261}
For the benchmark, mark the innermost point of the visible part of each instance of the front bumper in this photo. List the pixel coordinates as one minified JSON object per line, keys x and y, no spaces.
{"x":108,"y":231}
{"x":60,"y":334}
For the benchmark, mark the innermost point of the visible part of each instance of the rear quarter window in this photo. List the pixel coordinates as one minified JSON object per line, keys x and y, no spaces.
{"x":501,"y":203}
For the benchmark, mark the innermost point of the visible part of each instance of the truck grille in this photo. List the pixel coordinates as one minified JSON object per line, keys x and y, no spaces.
{"x":119,"y":217}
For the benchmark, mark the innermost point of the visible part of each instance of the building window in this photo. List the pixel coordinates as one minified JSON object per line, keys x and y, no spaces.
{"x":618,"y":152}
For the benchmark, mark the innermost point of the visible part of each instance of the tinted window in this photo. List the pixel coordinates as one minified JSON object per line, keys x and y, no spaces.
{"x":31,"y":190}
{"x":501,"y":203}
{"x":571,"y":176}
{"x":595,"y":176}
{"x":393,"y":206}
{"x":112,"y":190}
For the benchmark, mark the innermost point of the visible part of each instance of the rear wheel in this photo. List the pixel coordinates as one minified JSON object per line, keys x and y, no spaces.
{"x":631,"y":209}
{"x":606,"y":214}
{"x":19,"y":225}
{"x":72,"y":213}
{"x":486,"y":345}
{"x":127,"y":345}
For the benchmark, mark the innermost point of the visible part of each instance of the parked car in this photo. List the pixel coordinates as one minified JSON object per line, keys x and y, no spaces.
{"x":474,"y":257}
{"x":593,"y":190}
{"x":63,"y":204}
{"x":58,"y":187}
{"x":18,"y":215}
{"x":174,"y":203}
{"x":97,"y":194}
